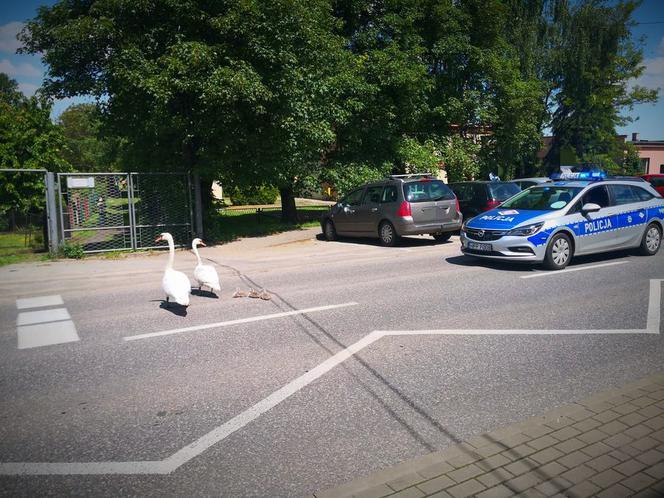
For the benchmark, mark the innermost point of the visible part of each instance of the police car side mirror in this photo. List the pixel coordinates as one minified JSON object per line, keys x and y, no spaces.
{"x":590,"y":208}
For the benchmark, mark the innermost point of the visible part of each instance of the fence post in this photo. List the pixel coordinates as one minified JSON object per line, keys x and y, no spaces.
{"x":198,"y":206}
{"x":52,"y":214}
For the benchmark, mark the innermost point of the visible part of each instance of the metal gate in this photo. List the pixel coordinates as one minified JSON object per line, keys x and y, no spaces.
{"x":23,"y":212}
{"x":103,"y":212}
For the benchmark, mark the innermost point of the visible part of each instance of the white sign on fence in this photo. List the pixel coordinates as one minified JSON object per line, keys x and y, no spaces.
{"x":80,"y":182}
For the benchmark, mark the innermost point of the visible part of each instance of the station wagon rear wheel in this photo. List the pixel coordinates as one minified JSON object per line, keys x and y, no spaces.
{"x":330,"y":231}
{"x":558,"y":252}
{"x":651,"y":241}
{"x":387,"y":234}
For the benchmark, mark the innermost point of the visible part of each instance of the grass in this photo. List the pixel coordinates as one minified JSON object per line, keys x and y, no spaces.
{"x":16,"y":248}
{"x":232,"y":225}
{"x":223,"y":226}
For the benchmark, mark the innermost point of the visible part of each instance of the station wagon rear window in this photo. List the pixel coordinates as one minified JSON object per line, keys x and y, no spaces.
{"x":427,"y":191}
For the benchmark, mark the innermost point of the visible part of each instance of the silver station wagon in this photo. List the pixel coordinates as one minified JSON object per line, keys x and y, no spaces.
{"x":552,"y":222}
{"x":396,"y":206}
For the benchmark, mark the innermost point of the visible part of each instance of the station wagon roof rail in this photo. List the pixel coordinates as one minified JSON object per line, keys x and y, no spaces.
{"x":411,"y":175}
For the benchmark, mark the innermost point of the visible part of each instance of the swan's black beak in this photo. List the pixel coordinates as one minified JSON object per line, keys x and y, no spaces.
{"x":201,"y":243}
{"x":159,"y":239}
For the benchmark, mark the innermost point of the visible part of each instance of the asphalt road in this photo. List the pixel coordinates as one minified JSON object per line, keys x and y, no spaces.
{"x":107,"y":399}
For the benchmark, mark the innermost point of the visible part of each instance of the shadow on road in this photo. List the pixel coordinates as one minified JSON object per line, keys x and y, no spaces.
{"x":174,"y":308}
{"x":204,"y":293}
{"x":525,"y":267}
{"x":469,"y":261}
{"x":403,"y":242}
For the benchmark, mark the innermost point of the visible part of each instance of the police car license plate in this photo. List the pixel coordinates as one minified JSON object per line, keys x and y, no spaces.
{"x":480,"y":247}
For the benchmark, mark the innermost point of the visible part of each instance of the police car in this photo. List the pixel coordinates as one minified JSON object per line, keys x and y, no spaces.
{"x":578,"y":213}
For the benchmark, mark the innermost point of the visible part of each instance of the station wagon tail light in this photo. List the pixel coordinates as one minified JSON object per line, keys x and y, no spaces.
{"x":456,"y":202}
{"x":404,"y":210}
{"x":492,"y":205}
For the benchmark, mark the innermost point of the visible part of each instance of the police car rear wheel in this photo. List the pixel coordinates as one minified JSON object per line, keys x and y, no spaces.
{"x":558,"y":253}
{"x":651,"y":241}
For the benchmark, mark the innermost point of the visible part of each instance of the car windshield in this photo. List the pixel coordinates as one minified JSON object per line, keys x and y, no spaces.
{"x":427,"y":191}
{"x":543,"y":198}
{"x":502,"y":191}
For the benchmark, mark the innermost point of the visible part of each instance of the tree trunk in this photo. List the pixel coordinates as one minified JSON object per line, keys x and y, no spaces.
{"x":288,"y":209}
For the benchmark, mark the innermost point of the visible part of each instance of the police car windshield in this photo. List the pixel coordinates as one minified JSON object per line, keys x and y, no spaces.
{"x":549,"y":198}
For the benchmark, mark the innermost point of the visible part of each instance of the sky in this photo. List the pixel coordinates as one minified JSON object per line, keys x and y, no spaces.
{"x":28,"y":70}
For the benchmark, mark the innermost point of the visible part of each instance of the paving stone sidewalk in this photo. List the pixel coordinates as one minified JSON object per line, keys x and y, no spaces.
{"x":610,"y":445}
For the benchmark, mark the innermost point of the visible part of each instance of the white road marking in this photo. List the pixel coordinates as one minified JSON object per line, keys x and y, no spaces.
{"x":46,"y":334}
{"x":213,"y":437}
{"x":568,"y":270}
{"x":235,"y":322}
{"x":42,"y":316}
{"x":218,"y":434}
{"x":39,"y":302}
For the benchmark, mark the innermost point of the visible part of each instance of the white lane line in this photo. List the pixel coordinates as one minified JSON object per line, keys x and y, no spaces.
{"x":569,"y":270}
{"x":39,"y":302}
{"x":654,"y":305}
{"x":221,"y":432}
{"x":213,"y":437}
{"x":235,"y":322}
{"x":46,"y":334}
{"x":42,"y":316}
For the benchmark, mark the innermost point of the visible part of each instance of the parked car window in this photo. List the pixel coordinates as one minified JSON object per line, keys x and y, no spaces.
{"x":542,"y":198}
{"x":354,"y":198}
{"x":657,"y":181}
{"x":478,"y":192}
{"x":427,"y":191}
{"x":389,"y":194}
{"x":503,"y":191}
{"x":597,"y":195}
{"x":373,"y":195}
{"x":641,"y":194}
{"x":461,"y":190}
{"x":623,"y":194}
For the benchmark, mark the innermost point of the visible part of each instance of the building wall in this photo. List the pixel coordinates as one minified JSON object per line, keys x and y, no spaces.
{"x":652,"y":158}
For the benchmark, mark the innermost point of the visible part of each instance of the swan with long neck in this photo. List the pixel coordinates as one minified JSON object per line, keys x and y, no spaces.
{"x":205,"y":275}
{"x":176,"y":284}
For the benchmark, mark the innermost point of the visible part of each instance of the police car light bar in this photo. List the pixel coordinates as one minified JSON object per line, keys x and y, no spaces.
{"x":579,"y":175}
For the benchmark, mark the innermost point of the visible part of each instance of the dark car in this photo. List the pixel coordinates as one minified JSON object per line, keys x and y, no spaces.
{"x":399,"y":205}
{"x":477,"y":197}
{"x":657,"y":182}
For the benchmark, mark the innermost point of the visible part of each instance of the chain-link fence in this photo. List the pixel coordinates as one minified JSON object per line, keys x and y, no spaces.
{"x":120,"y":211}
{"x":161,"y":203}
{"x":94,"y":211}
{"x":22,"y":212}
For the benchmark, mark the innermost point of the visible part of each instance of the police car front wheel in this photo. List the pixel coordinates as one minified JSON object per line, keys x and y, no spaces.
{"x":651,"y":241}
{"x":558,"y":252}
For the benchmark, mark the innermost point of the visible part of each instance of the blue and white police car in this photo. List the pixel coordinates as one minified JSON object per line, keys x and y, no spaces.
{"x":580,"y":214}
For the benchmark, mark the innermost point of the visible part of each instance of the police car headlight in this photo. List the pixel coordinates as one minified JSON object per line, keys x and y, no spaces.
{"x":527,"y":230}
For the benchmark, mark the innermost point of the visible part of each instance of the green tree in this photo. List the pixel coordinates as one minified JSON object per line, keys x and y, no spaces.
{"x":595,"y":64}
{"x":250,"y":92}
{"x":28,"y":140}
{"x":88,"y":147}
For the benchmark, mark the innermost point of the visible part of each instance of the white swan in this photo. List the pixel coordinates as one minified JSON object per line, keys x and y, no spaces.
{"x":205,"y":275}
{"x":176,"y":284}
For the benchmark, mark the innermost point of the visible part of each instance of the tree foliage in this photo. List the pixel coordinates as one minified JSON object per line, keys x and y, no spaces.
{"x":88,"y":147}
{"x":28,"y":140}
{"x":596,"y":64}
{"x":292,"y":93}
